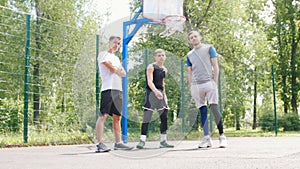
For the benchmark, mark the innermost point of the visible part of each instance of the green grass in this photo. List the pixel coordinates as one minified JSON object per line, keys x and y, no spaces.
{"x":231,"y":132}
{"x":78,"y":137}
{"x":44,"y":139}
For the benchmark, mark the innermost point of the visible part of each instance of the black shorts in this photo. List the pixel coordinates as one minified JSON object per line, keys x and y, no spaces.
{"x":153,"y":103}
{"x":111,"y":102}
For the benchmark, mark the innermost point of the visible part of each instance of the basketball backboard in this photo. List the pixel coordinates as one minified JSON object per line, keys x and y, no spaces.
{"x":157,"y":10}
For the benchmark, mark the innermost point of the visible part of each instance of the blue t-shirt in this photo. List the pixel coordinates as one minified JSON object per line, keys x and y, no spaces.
{"x":212,"y":52}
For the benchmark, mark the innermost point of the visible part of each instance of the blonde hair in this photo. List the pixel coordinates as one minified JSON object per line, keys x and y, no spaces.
{"x":159,"y":51}
{"x":196,"y":32}
{"x":113,"y":37}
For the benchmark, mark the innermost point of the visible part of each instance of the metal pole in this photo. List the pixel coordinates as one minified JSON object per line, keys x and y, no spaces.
{"x":220,"y":93}
{"x":182,"y":96}
{"x":274,"y":100}
{"x":210,"y":119}
{"x":146,"y":58}
{"x":127,"y":37}
{"x":124,"y":120}
{"x":97,"y":78}
{"x":26,"y":78}
{"x":145,"y":69}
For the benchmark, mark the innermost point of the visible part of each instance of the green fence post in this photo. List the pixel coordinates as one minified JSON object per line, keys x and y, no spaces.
{"x":274,"y":100}
{"x":26,"y":78}
{"x":146,"y":57}
{"x":182,"y":96}
{"x":145,"y":68}
{"x":210,"y":119}
{"x":220,"y":93}
{"x":97,"y":78}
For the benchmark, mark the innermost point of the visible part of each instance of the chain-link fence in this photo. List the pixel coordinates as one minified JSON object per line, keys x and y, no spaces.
{"x":47,"y":81}
{"x":48,"y":86}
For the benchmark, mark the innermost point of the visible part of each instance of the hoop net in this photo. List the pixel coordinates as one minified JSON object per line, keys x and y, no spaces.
{"x":173,"y":24}
{"x":166,"y":12}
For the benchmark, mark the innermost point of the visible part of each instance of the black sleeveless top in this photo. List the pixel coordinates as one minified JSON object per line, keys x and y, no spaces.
{"x":158,"y":76}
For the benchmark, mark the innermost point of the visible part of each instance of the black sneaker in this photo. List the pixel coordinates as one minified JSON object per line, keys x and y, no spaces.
{"x":121,"y":146}
{"x":164,"y":144}
{"x":140,"y":145}
{"x":101,"y":148}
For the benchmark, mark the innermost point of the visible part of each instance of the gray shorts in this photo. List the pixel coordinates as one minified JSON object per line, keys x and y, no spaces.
{"x":202,"y":93}
{"x":153,"y":103}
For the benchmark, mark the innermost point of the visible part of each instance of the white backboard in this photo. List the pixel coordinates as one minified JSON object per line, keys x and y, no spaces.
{"x":157,"y":10}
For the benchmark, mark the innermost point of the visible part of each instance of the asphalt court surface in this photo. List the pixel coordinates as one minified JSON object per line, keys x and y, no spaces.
{"x":241,"y":153}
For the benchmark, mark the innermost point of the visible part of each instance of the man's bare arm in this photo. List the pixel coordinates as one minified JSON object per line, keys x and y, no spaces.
{"x":190,"y":75}
{"x":118,"y":70}
{"x":214,"y":62}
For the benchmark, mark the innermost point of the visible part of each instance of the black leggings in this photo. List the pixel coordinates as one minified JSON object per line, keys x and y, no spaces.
{"x":163,"y":114}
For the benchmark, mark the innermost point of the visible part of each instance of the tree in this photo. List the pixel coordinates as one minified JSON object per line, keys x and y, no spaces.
{"x":286,"y":37}
{"x":60,"y":31}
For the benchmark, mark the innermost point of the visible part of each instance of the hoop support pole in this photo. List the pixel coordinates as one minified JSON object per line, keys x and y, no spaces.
{"x":127,"y":37}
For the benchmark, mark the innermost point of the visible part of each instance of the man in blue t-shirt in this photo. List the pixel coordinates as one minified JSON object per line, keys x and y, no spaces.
{"x":203,"y":74}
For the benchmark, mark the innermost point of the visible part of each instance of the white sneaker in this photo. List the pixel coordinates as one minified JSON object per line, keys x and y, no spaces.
{"x":205,"y":142}
{"x":223,"y":141}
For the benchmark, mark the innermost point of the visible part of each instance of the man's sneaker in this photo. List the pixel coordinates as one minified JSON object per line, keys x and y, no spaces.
{"x":223,"y":141}
{"x":164,"y":144}
{"x":140,"y":145}
{"x":101,"y":148}
{"x":205,"y":142}
{"x":121,"y":146}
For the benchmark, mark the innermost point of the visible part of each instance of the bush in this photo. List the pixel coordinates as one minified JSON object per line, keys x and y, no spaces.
{"x":266,"y":122}
{"x":290,"y":122}
{"x":11,"y":116}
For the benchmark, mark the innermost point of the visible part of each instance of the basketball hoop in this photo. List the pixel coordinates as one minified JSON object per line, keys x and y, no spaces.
{"x":166,"y":12}
{"x":173,"y":24}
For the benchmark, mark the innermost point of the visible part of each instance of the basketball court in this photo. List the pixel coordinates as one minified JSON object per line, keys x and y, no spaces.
{"x":242,"y":152}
